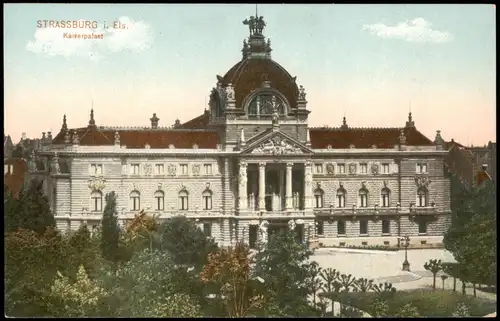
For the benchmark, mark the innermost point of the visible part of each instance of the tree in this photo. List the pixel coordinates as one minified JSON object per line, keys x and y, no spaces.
{"x":330,"y":277}
{"x":363,"y":285}
{"x":472,"y":235}
{"x":143,"y":286}
{"x":434,"y":266}
{"x":30,"y":211}
{"x":314,"y":282}
{"x":284,"y":267}
{"x":443,"y":278}
{"x":186,"y":242}
{"x":80,"y":250}
{"x":81,"y":298}
{"x":231,"y":270}
{"x":452,"y":270}
{"x":140,"y":230}
{"x":31,"y":263}
{"x":110,"y":236}
{"x":379,"y":308}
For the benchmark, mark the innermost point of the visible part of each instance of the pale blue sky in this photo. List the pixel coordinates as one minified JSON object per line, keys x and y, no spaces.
{"x":344,"y":68}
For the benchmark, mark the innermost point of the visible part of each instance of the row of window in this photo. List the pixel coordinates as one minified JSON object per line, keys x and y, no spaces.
{"x":159,"y":201}
{"x":422,"y":196}
{"x":159,"y":169}
{"x":363,"y":168}
{"x":363,"y":227}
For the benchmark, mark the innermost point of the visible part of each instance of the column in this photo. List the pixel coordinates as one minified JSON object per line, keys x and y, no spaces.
{"x":308,"y":185}
{"x":242,"y":190}
{"x":262,"y":186}
{"x":289,"y":197}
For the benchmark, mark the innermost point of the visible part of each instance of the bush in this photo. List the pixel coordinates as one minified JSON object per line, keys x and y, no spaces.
{"x":438,"y":303}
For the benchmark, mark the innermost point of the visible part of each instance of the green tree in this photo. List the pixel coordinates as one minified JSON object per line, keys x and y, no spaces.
{"x":472,"y":235}
{"x":284,"y":267}
{"x":185,"y":242}
{"x":81,"y":249}
{"x":81,"y":298}
{"x":31,"y":263}
{"x":110,"y":235}
{"x":434,"y":266}
{"x":143,"y":286}
{"x":30,"y":211}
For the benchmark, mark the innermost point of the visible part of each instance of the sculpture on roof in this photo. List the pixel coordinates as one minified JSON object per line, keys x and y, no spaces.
{"x":255,"y":25}
{"x":302,"y":93}
{"x":229,"y":92}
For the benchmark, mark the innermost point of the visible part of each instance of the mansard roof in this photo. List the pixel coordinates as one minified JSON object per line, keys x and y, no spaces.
{"x":321,"y":138}
{"x":140,"y":137}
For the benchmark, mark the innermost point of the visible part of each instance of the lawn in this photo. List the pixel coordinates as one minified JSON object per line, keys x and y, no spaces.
{"x":439,"y":303}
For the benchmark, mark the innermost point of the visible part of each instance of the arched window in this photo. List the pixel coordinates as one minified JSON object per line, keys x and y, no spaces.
{"x":341,"y":197}
{"x":135,"y":201}
{"x":183,"y":200}
{"x":385,"y":197}
{"x":207,"y":200}
{"x":159,"y":201}
{"x":421,"y":197}
{"x":363,"y":197}
{"x":264,"y":105}
{"x":96,"y":201}
{"x":318,"y":198}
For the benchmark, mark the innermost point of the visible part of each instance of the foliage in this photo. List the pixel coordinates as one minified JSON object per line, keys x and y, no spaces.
{"x":434,"y":266}
{"x":178,"y":305}
{"x":140,"y":232}
{"x":461,"y":310}
{"x":230,"y":269}
{"x":142,"y":286}
{"x":81,"y":249}
{"x":30,"y":211}
{"x":185,"y":242}
{"x":314,"y":281}
{"x":472,"y":235}
{"x":284,"y":267}
{"x":407,"y":311}
{"x":331,"y":284}
{"x":110,"y":231}
{"x":31,"y":262}
{"x":81,"y":298}
{"x":379,"y":308}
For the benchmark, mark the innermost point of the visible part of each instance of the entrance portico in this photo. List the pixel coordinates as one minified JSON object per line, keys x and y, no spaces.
{"x":274,"y":187}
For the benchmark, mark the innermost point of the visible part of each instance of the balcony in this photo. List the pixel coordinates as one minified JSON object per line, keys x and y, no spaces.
{"x":357,"y":211}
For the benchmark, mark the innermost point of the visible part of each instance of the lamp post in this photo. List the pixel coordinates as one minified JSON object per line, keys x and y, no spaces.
{"x":406,"y":242}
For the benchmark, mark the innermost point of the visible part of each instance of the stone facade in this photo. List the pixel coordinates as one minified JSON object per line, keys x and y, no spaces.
{"x":250,"y":165}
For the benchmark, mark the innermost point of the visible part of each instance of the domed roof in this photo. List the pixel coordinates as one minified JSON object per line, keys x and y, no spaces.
{"x":249,"y":74}
{"x":257,"y":66}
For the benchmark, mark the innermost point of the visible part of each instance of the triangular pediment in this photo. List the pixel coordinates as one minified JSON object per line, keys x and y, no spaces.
{"x":275,"y":143}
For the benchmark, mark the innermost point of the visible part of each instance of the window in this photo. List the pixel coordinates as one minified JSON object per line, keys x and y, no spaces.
{"x":266,"y":104}
{"x":363,"y":198}
{"x":422,"y":227}
{"x":208,"y":169}
{"x":207,"y":229}
{"x":134,"y":169}
{"x":183,"y":201}
{"x":95,"y":169}
{"x":386,"y":227}
{"x":184,"y":169}
{"x":159,"y":200}
{"x":421,"y":168}
{"x":320,"y":226}
{"x":159,"y":169}
{"x":363,"y":168}
{"x":135,"y":201}
{"x":318,"y":168}
{"x":422,"y":197}
{"x":385,"y":197}
{"x":96,"y":200}
{"x":8,"y":169}
{"x":385,"y":168}
{"x":341,"y":227}
{"x":207,"y":200}
{"x":363,"y":227}
{"x":318,"y":198}
{"x":341,"y":198}
{"x":341,"y":168}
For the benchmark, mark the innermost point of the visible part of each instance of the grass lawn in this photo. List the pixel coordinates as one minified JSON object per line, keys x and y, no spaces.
{"x":439,"y":303}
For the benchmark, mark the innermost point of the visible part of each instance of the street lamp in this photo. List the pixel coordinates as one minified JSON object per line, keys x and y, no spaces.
{"x":406,"y":242}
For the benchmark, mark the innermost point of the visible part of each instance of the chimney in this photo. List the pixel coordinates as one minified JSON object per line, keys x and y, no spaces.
{"x":23,"y":136}
{"x":154,"y":121}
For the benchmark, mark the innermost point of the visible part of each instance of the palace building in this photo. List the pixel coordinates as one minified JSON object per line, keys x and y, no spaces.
{"x":251,"y":165}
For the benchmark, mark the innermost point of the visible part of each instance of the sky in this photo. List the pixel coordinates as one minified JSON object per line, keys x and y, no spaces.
{"x":371,"y":63}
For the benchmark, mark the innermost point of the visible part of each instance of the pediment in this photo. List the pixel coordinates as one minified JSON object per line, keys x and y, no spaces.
{"x":276,"y":143}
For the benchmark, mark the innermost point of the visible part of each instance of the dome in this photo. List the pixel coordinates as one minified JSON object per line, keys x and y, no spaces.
{"x":256,"y":67}
{"x":249,"y":74}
